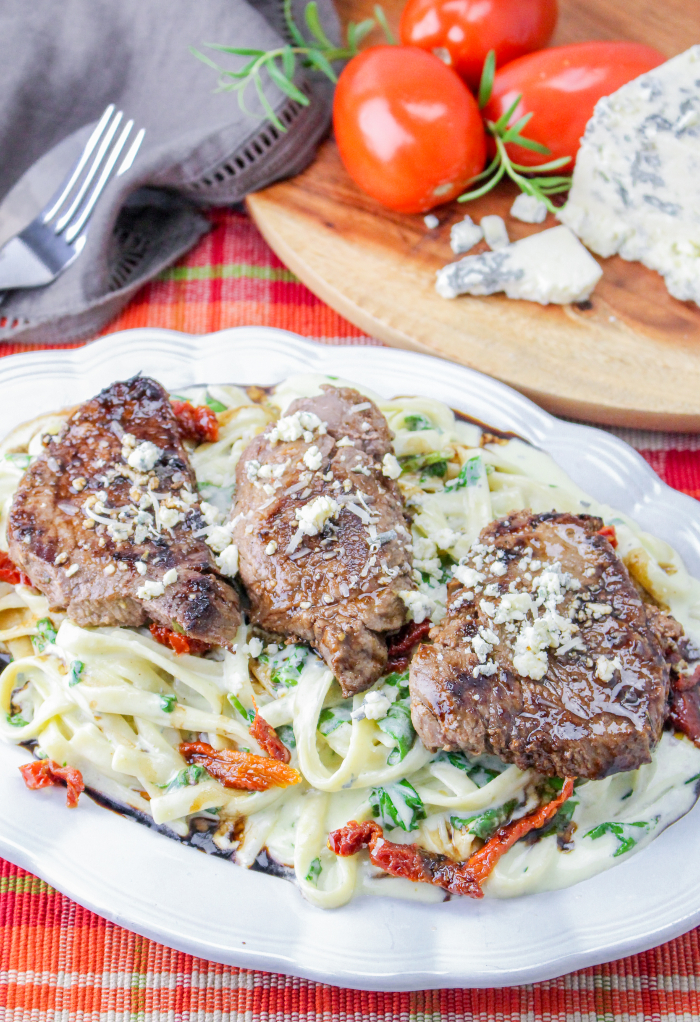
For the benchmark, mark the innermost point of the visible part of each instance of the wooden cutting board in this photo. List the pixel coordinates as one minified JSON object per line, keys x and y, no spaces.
{"x":629,"y":357}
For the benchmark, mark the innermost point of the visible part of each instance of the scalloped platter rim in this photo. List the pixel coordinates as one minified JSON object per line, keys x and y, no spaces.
{"x":204,"y":906}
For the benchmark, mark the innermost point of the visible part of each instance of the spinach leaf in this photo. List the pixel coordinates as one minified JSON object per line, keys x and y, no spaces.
{"x":485,"y":825}
{"x":561,"y":819}
{"x":285,"y":733}
{"x":190,"y":775}
{"x":481,"y":775}
{"x":476,"y":772}
{"x":286,"y":665}
{"x":46,"y":635}
{"x":398,"y":725}
{"x":331,"y":718}
{"x":21,"y":461}
{"x":314,"y":872}
{"x":248,"y":715}
{"x":398,"y":805}
{"x":417,"y":422}
{"x":626,"y":837}
{"x":216,"y":406}
{"x":76,"y":670}
{"x":470,"y":474}
{"x":400,"y":681}
{"x":416,"y":462}
{"x":438,"y":468}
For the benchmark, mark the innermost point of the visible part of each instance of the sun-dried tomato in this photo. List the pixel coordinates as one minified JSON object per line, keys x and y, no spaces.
{"x":408,"y":861}
{"x":409,"y":636}
{"x":416,"y":864}
{"x":685,"y":682}
{"x":608,"y":531}
{"x":401,"y":644}
{"x":9,"y":572}
{"x":267,"y":738}
{"x":482,"y":862}
{"x":44,"y":773}
{"x":684,"y":712}
{"x":353,"y":836}
{"x":240,"y":770}
{"x":176,"y":641}
{"x":196,"y":422}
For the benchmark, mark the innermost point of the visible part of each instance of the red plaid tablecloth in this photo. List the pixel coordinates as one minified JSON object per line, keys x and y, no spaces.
{"x":59,"y":961}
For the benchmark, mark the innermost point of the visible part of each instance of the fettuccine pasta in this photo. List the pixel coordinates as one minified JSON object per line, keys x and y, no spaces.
{"x":117,"y":705}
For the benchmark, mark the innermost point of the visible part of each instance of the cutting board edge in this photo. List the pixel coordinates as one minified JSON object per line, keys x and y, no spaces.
{"x":568,"y":407}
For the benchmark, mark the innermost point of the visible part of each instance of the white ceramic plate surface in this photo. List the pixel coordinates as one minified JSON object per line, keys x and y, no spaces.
{"x":208,"y":907}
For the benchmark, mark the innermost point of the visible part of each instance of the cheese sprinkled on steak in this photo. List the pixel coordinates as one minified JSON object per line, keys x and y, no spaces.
{"x":324,"y":550}
{"x":547,"y":656}
{"x":106,"y":521}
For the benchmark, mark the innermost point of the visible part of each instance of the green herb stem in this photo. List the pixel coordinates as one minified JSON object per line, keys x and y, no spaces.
{"x":318,"y":53}
{"x":528,"y":179}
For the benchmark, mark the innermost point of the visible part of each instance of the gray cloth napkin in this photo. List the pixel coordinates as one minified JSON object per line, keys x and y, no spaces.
{"x":63,"y":62}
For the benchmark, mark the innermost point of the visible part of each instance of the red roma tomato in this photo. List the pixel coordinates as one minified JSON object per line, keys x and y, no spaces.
{"x":561,"y":87}
{"x":409,"y":131}
{"x":467,"y":29}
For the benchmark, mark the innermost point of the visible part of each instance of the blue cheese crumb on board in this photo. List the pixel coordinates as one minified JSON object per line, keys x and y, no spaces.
{"x":549,"y":267}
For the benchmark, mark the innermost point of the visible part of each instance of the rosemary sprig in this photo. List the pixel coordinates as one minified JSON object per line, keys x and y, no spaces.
{"x":280,"y":64}
{"x":502,"y":165}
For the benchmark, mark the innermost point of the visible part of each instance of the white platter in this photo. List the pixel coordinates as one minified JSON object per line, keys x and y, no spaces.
{"x":210,"y":908}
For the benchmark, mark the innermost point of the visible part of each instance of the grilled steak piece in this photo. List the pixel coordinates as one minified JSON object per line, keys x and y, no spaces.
{"x":323,"y":546}
{"x":104,"y":520}
{"x":547,"y":656}
{"x":683,"y":657}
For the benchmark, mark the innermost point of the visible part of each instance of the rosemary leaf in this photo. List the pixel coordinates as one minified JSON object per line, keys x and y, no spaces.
{"x":315,"y":27}
{"x":237,"y":51}
{"x":381,"y":19}
{"x":487,"y":76}
{"x":291,"y":24}
{"x":502,"y":122}
{"x":356,"y":33}
{"x":317,"y":60}
{"x":516,"y":128}
{"x":285,"y":84}
{"x":272,"y":116}
{"x":552,"y":165}
{"x":529,"y":143}
{"x":478,"y":192}
{"x":289,"y":62}
{"x":488,"y":172}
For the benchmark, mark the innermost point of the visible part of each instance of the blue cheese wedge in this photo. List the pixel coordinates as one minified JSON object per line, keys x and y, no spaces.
{"x":549,"y":267}
{"x":635,"y":187}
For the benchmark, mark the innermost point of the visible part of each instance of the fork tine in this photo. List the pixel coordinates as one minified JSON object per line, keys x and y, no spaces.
{"x":104,"y":146}
{"x":131,"y":155}
{"x":78,"y":225}
{"x":51,"y":212}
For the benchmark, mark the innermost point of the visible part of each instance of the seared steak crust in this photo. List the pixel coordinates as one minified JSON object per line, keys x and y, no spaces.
{"x":591,"y":701}
{"x":323,"y":544}
{"x":109,"y":508}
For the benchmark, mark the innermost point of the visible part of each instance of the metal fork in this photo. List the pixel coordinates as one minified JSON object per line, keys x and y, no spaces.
{"x":50,"y":243}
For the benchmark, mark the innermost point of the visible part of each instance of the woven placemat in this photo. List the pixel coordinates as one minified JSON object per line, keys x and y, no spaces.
{"x":60,"y":962}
